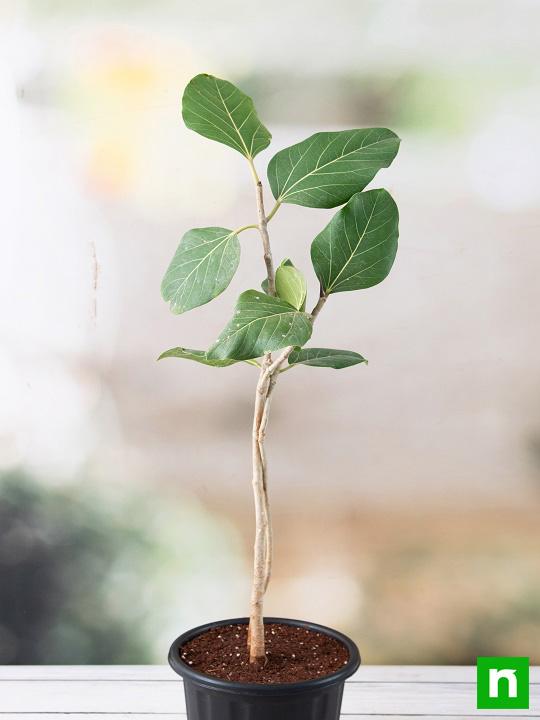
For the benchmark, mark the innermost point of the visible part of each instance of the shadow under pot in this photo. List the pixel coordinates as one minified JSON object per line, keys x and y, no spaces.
{"x":213,"y":698}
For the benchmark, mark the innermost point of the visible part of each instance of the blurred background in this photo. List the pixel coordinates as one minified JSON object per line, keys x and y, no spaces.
{"x":406,"y":493}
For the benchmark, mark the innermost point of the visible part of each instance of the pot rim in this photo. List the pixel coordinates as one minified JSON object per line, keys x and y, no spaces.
{"x":185,"y":671}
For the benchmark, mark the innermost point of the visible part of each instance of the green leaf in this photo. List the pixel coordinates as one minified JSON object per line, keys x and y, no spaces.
{"x":324,"y":357}
{"x":261,"y":324}
{"x":264,"y":283}
{"x":201,"y":269}
{"x":357,"y":248}
{"x":325,"y":170}
{"x":291,"y":286}
{"x":196,"y":355}
{"x":220,"y":111}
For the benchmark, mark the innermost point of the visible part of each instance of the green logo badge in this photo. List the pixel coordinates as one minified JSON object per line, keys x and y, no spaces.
{"x":502,"y":683}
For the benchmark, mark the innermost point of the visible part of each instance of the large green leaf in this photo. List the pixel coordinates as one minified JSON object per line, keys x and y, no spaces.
{"x":220,"y":111}
{"x":291,"y":285}
{"x":329,"y":167}
{"x":196,"y":355}
{"x":325,"y":357}
{"x":357,"y":248}
{"x":260,"y":324}
{"x":202,"y":267}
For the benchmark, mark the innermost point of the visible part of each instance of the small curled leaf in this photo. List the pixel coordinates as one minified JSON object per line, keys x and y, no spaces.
{"x":285,"y":263}
{"x":291,"y":285}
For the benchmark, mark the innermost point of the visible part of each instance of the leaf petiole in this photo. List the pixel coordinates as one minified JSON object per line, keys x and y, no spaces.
{"x":253,"y":170}
{"x":273,"y":211}
{"x":288,"y":367}
{"x":245,"y":227}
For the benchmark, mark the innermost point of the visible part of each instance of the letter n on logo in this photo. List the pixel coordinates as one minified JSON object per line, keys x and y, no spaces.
{"x":502,"y":683}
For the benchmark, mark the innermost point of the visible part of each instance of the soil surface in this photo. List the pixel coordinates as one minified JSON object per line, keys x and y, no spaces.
{"x":293,"y":654}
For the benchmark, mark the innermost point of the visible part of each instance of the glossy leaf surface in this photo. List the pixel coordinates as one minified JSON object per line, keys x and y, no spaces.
{"x":261,"y":324}
{"x":220,"y":111}
{"x":325,"y":170}
{"x":357,"y":248}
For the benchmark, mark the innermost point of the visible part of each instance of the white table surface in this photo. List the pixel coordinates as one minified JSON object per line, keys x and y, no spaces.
{"x":136,"y":692}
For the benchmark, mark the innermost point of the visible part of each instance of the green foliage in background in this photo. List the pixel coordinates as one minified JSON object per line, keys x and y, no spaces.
{"x":86,"y":576}
{"x":57,"y":552}
{"x":354,"y":251}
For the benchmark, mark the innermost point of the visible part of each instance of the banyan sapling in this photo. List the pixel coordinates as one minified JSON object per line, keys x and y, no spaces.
{"x":270,"y":326}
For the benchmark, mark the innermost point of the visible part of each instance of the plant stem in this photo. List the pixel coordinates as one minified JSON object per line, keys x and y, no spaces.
{"x":256,"y":226}
{"x":262,"y":552}
{"x":263,"y":546}
{"x":263,"y":543}
{"x":320,"y":304}
{"x":263,"y":229}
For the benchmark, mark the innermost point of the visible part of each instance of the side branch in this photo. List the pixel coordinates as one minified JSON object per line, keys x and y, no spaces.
{"x":275,"y":367}
{"x":320,"y":304}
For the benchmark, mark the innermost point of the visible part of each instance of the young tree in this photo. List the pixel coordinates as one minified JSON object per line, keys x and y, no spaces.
{"x":354,"y":251}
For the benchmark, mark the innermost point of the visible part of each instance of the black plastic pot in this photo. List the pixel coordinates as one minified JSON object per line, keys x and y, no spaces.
{"x":209,"y":698}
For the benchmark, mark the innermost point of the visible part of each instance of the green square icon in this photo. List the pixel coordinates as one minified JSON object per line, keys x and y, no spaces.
{"x":502,"y":683}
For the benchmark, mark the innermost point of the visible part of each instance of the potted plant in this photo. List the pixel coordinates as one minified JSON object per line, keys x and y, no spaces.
{"x":277,"y":668}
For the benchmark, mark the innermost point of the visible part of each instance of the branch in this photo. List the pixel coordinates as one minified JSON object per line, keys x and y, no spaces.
{"x":320,"y":304}
{"x":275,"y":366}
{"x":262,"y":555}
{"x":263,"y":229}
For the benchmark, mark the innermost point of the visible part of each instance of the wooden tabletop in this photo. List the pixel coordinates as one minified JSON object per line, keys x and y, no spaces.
{"x":136,"y":692}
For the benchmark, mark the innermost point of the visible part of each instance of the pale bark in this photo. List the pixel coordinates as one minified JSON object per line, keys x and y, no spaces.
{"x":263,"y":546}
{"x":263,"y":229}
{"x":262,"y":551}
{"x":319,"y":306}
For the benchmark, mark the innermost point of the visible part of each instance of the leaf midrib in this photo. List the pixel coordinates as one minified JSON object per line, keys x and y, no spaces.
{"x":248,"y":152}
{"x":213,"y":124}
{"x":264,"y":320}
{"x":353,"y":252}
{"x":183,"y":282}
{"x":320,"y":167}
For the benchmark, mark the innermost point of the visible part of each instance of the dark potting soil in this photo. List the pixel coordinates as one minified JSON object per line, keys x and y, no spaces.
{"x":293,"y":654}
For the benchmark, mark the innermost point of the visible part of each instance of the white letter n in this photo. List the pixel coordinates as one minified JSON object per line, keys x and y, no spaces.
{"x":496,"y":675}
